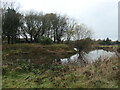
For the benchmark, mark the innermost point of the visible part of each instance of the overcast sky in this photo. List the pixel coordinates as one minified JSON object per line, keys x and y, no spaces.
{"x":100,"y":15}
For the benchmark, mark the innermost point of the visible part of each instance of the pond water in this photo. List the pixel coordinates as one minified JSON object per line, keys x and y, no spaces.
{"x":88,"y":57}
{"x":80,"y":59}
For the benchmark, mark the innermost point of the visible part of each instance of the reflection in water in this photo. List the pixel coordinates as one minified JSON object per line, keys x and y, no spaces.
{"x":85,"y":58}
{"x":70,"y":59}
{"x":79,"y":59}
{"x":96,"y":54}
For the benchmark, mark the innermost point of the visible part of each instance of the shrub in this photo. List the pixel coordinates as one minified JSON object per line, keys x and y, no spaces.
{"x":45,"y":40}
{"x":118,"y":50}
{"x":83,"y":44}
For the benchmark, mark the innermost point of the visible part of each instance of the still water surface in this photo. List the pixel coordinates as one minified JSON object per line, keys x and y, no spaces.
{"x":81,"y":59}
{"x":89,"y":57}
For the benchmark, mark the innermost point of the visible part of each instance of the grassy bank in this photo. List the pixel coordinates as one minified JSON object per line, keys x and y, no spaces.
{"x":100,"y":74}
{"x":56,"y":49}
{"x":97,"y":75}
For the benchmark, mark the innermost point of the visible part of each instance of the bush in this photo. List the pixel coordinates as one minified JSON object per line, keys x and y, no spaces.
{"x":83,"y":44}
{"x":45,"y":40}
{"x":118,"y":50}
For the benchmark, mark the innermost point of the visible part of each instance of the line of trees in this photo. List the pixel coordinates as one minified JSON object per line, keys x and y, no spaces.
{"x":108,"y":41}
{"x":33,"y":26}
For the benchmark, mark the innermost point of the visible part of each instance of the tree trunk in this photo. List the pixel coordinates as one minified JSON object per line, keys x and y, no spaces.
{"x":8,"y":37}
{"x":26,"y":38}
{"x":31,"y":38}
{"x":12,"y":40}
{"x":54,"y":38}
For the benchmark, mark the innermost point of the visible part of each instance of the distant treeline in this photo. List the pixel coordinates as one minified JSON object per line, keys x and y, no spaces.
{"x":40,"y":28}
{"x":107,"y":41}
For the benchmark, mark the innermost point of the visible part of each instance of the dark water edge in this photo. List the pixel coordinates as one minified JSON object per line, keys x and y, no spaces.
{"x":78,"y":58}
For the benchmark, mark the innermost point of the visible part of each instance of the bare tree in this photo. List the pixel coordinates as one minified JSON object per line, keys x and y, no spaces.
{"x":33,"y":25}
{"x":70,"y":29}
{"x":82,"y":32}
